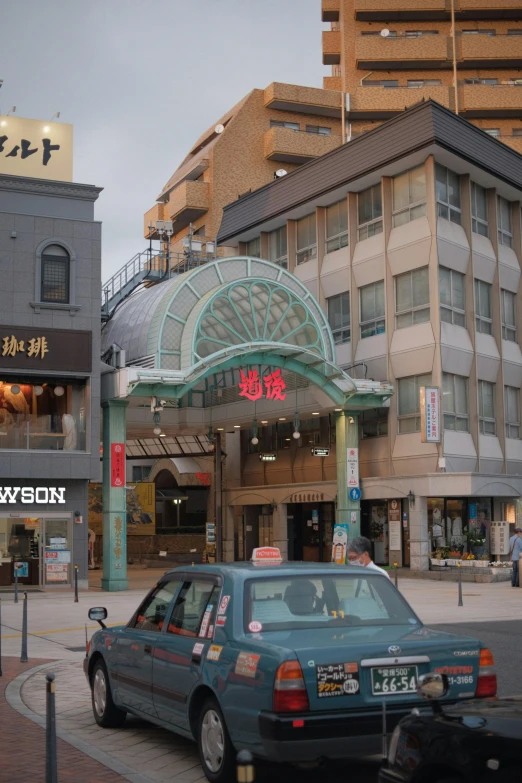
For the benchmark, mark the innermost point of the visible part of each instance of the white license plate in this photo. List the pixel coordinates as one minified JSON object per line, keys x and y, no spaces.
{"x":391,"y":680}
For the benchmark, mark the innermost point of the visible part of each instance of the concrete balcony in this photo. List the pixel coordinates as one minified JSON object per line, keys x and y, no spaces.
{"x":376,"y":53}
{"x":331,"y":47}
{"x":489,"y":9}
{"x":303,"y":100}
{"x":490,"y":51}
{"x":330,"y":10}
{"x":332,"y":83}
{"x":150,"y":217}
{"x":380,"y":103}
{"x":289,"y":146}
{"x":484,"y":100}
{"x":187,"y":202}
{"x":387,"y":11}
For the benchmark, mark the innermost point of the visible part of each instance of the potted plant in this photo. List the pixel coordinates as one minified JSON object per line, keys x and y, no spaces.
{"x":476,"y":541}
{"x":438,"y":558}
{"x":468,"y":559}
{"x":453,"y":557}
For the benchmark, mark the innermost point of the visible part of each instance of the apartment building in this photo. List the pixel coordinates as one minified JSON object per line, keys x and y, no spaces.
{"x":268,"y":131}
{"x":387,"y":55}
{"x":410,"y":240}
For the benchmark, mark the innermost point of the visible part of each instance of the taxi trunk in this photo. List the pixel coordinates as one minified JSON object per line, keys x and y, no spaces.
{"x":358,"y":668}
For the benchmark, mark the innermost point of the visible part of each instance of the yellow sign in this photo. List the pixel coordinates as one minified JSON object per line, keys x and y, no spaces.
{"x":37,"y":346}
{"x":141,"y":509}
{"x":35,"y":148}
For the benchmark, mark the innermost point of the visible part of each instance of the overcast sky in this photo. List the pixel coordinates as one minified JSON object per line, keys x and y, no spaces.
{"x":140,"y":80}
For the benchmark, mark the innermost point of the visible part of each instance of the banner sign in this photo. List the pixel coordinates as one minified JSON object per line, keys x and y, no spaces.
{"x":339,"y":544}
{"x":499,"y":538}
{"x":430,"y":414}
{"x":141,"y":509}
{"x":36,"y":148}
{"x":117,"y":464}
{"x":394,"y":526}
{"x":352,"y":466}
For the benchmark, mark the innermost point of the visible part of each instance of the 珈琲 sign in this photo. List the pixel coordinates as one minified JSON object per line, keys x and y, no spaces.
{"x":24,"y":348}
{"x":35,"y":148}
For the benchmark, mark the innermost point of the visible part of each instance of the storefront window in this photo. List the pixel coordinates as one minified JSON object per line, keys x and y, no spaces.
{"x":42,"y":415}
{"x":457,"y":526}
{"x":379,"y":531}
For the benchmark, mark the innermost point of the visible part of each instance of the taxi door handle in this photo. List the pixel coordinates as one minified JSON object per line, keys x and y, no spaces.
{"x":147,"y":649}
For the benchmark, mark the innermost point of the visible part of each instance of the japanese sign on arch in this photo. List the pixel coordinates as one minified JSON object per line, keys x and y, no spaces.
{"x":253,"y":386}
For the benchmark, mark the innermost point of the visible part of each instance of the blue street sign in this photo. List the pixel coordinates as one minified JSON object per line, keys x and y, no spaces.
{"x":22,"y":569}
{"x":355,"y":493}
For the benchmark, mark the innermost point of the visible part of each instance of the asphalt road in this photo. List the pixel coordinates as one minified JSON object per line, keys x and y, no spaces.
{"x":504,"y":639}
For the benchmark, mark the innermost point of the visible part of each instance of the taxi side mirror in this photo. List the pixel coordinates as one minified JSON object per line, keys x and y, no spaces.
{"x":432,"y":687}
{"x":98,"y":613}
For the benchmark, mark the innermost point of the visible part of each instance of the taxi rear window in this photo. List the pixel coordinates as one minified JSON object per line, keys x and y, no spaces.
{"x":324,"y":601}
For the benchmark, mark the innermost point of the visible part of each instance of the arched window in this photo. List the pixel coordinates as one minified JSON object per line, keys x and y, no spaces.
{"x":55,"y":275}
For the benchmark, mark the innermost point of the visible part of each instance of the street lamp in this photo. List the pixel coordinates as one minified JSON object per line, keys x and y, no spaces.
{"x":177,"y":503}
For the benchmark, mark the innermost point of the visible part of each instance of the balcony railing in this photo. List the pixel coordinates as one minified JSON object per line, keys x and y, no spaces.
{"x":490,"y":100}
{"x":290,"y":146}
{"x":477,"y":51}
{"x":304,"y":100}
{"x":188,"y":201}
{"x":330,"y":10}
{"x":331,"y":47}
{"x":375,"y":52}
{"x":489,"y":9}
{"x":387,"y":10}
{"x":383,"y":102}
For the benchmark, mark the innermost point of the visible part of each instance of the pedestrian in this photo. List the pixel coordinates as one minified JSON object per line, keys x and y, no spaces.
{"x":515,"y":548}
{"x":358,"y":553}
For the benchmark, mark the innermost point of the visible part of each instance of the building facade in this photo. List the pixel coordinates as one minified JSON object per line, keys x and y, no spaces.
{"x":387,"y":55}
{"x":410,"y":240}
{"x":50,"y":257}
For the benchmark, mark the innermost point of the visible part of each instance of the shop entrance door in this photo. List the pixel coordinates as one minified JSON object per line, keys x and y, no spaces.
{"x":55,"y":552}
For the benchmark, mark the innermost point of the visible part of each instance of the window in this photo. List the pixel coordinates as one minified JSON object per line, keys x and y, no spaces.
{"x":42,"y":414}
{"x":197,"y":598}
{"x":339,"y":317}
{"x":492,"y":131}
{"x":515,"y":31}
{"x":451,"y":294}
{"x":306,"y":239}
{"x":320,"y":130}
{"x":479,"y":210}
{"x":490,"y":82}
{"x":447,"y":185}
{"x":277,"y":248}
{"x":420,"y":33}
{"x":310,"y":430}
{"x":374,"y":423}
{"x":253,"y":248}
{"x":153,"y":611}
{"x":516,"y":131}
{"x":412,"y":298}
{"x":372,"y":309}
{"x":409,"y":196}
{"x":482,"y":307}
{"x":381,"y":83}
{"x":414,"y":83}
{"x":279,"y":124}
{"x":505,"y":231}
{"x":455,"y":402}
{"x":337,"y":226}
{"x":486,"y":395}
{"x":392,"y":33}
{"x":409,"y":402}
{"x":370,"y":212}
{"x":512,"y":411}
{"x":55,"y":268}
{"x":140,"y":472}
{"x":285,"y":430}
{"x":509,"y":315}
{"x":324,"y":603}
{"x":478,"y":32}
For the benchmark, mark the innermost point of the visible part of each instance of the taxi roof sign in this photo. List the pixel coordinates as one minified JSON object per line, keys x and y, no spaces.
{"x":268,"y":555}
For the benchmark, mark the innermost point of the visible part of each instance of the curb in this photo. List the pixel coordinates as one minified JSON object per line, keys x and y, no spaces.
{"x":14,"y":699}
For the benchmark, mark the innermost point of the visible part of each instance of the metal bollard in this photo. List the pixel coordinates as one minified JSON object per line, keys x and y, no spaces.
{"x":0,"y":637}
{"x":75,"y":584}
{"x":245,"y":767}
{"x":16,"y":583}
{"x":51,"y":764}
{"x":461,"y":603}
{"x":396,"y":575}
{"x":23,"y":656}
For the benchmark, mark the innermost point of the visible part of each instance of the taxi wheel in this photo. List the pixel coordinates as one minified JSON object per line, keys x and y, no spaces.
{"x":216,"y":752}
{"x":106,"y":714}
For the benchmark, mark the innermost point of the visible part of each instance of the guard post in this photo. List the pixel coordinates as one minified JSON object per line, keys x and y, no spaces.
{"x":75,"y":584}
{"x":23,"y":656}
{"x":0,"y":637}
{"x":16,"y":582}
{"x":461,"y":603}
{"x":396,"y":570}
{"x":245,"y":767}
{"x":51,"y":764}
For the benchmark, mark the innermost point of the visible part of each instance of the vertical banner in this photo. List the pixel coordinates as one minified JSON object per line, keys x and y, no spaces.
{"x":394,"y":526}
{"x":352,"y":467}
{"x":430,"y":414}
{"x":339,"y":544}
{"x":117,"y":464}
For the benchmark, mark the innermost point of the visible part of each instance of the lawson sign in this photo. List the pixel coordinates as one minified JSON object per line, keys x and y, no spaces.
{"x":40,"y":495}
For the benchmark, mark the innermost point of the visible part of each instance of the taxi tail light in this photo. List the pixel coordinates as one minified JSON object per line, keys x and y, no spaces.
{"x":487,"y":678}
{"x":289,"y":689}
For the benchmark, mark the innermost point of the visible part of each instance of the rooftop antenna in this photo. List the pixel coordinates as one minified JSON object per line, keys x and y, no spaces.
{"x":56,"y":116}
{"x":11,"y":110}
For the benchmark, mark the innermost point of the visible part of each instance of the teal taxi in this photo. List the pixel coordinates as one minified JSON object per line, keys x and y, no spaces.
{"x":291,"y":661}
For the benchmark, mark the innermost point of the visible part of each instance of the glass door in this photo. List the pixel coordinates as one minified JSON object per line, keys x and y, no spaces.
{"x":56,"y":554}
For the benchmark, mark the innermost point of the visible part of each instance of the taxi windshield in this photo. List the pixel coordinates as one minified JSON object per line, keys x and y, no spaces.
{"x":324,"y":601}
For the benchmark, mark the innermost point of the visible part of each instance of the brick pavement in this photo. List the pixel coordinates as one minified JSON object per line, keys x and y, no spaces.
{"x":23,"y":744}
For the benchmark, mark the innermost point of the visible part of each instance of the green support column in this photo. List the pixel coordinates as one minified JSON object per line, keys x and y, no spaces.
{"x":347,"y":436}
{"x":114,"y":501}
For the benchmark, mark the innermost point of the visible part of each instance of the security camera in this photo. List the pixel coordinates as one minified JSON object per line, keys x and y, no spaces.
{"x":163,"y":403}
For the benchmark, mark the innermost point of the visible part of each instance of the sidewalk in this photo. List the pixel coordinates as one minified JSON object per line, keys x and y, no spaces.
{"x":23,"y":743}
